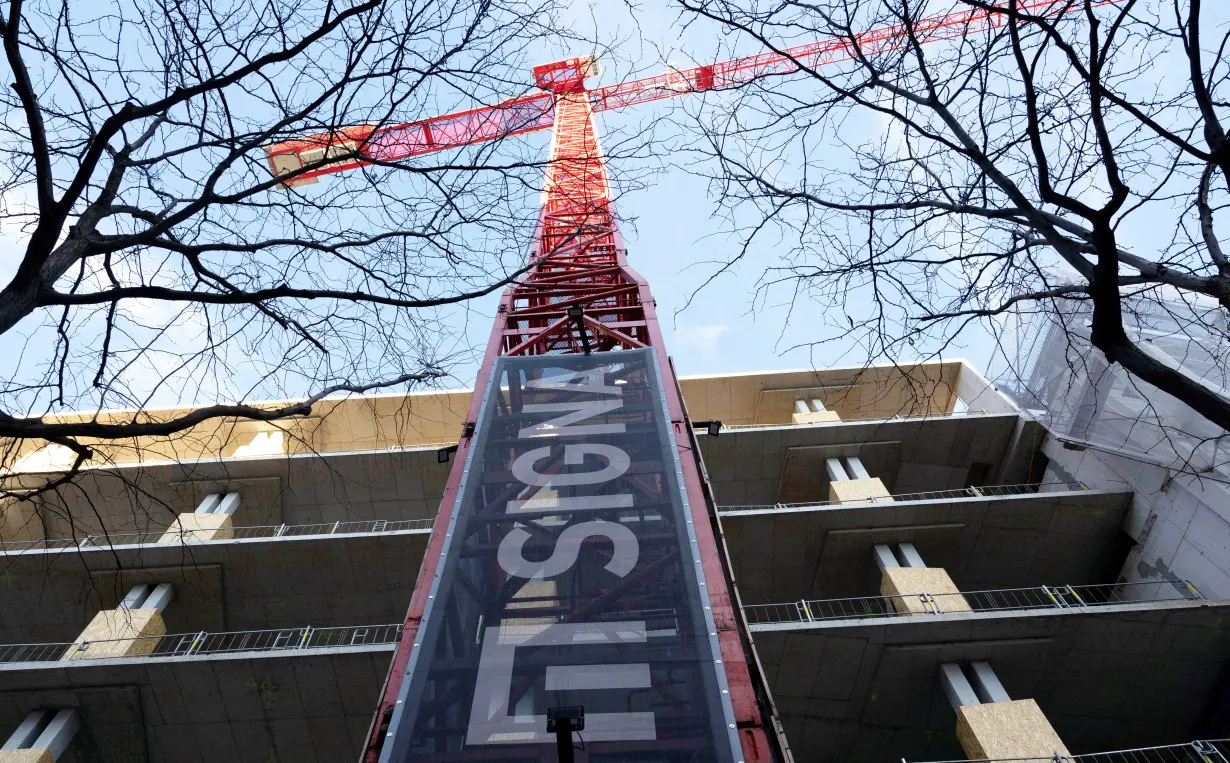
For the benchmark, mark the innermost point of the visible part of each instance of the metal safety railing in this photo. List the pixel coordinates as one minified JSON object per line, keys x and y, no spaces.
{"x":1201,"y":751}
{"x":807,"y":611}
{"x":972,"y":413}
{"x":985,"y":491}
{"x":201,"y":643}
{"x":260,"y":531}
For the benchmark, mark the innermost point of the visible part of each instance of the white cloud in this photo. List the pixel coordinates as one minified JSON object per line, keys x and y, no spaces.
{"x":700,"y":339}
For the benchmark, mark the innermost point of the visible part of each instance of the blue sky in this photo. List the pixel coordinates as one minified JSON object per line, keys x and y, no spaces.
{"x":672,"y":236}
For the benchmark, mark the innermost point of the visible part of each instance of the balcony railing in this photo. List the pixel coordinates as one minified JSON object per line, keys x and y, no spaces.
{"x":1204,"y":751}
{"x":190,"y":536}
{"x":972,"y":413}
{"x":194,"y":644}
{"x":985,"y":491}
{"x":1002,"y":600}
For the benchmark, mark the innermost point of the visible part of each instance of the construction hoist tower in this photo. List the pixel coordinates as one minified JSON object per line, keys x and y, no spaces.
{"x":576,"y":562}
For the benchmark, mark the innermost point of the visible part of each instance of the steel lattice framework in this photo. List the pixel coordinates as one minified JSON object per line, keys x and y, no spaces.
{"x":580,"y":295}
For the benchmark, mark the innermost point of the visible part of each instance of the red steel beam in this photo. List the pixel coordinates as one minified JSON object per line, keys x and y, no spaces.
{"x":353,"y":147}
{"x":578,"y":221}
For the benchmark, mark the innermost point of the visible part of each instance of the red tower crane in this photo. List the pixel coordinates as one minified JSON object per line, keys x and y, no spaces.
{"x":577,"y":560}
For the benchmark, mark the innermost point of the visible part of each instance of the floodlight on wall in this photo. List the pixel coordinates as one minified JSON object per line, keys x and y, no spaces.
{"x":444,"y":454}
{"x":712,"y":428}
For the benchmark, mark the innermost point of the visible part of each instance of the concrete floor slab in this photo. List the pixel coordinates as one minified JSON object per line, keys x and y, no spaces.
{"x":298,"y":489}
{"x":228,"y":585}
{"x":283,"y":706}
{"x":826,"y":551}
{"x":1108,"y":678}
{"x":748,"y":466}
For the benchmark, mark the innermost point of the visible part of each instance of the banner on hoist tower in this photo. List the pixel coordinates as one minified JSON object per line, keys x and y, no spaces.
{"x":570,"y":576}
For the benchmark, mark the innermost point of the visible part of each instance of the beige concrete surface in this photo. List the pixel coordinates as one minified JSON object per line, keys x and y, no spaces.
{"x":33,"y":755}
{"x":118,"y":633}
{"x":1006,"y":730}
{"x":859,"y":491}
{"x":190,"y":527}
{"x":903,"y":581}
{"x":815,"y":417}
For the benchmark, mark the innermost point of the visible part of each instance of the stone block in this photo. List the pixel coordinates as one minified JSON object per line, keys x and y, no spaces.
{"x":859,"y":491}
{"x":32,"y":755}
{"x":899,"y":582}
{"x":198,"y":527}
{"x":118,"y":633}
{"x":1007,"y":730}
{"x":815,"y":417}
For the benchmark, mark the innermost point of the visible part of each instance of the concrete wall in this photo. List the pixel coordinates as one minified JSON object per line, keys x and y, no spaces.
{"x":305,"y":489}
{"x":786,"y":464}
{"x":1181,"y":523}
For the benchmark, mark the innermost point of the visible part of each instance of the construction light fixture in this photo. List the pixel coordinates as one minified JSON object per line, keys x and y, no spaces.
{"x":562,"y":721}
{"x":444,"y":454}
{"x":712,"y":428}
{"x":577,"y":313}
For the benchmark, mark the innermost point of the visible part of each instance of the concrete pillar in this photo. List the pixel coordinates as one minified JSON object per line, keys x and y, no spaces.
{"x":812,"y":412}
{"x":19,"y":521}
{"x":885,"y":557}
{"x":910,"y":556}
{"x":130,"y":630}
{"x":210,"y":521}
{"x":42,"y":737}
{"x":916,"y":588}
{"x":990,"y":725}
{"x":987,"y":684}
{"x":849,"y":482}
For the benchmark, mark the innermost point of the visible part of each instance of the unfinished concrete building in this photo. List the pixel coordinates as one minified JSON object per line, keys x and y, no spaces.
{"x":920,"y":583}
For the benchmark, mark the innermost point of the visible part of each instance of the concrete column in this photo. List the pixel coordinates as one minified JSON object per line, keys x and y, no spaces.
{"x":812,"y":412}
{"x":849,"y":482}
{"x":992,"y":726}
{"x":885,"y":557}
{"x":916,"y":588}
{"x":129,"y":630}
{"x":910,"y":556}
{"x":42,"y":737}
{"x":210,"y":521}
{"x":19,"y":521}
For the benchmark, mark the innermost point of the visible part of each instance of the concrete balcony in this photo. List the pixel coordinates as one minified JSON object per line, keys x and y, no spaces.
{"x":763,"y":618}
{"x":1200,"y":751}
{"x":785,"y":463}
{"x":985,"y":538}
{"x":300,"y":694}
{"x":392,"y":485}
{"x":267,"y":577}
{"x":1119,"y":674}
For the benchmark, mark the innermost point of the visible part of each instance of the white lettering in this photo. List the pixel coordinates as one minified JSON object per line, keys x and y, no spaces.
{"x":512,"y":559}
{"x":555,"y":503}
{"x":490,"y":719}
{"x":592,"y":380}
{"x":617,"y":464}
{"x":562,"y":426}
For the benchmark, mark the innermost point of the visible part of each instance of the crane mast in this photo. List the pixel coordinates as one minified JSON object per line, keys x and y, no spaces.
{"x":577,"y":447}
{"x":576,"y":564}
